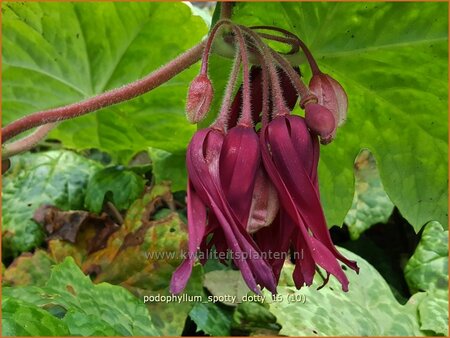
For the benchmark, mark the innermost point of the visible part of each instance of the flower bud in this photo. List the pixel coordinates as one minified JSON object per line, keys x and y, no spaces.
{"x":320,"y":121}
{"x":331,"y":95}
{"x":199,"y":99}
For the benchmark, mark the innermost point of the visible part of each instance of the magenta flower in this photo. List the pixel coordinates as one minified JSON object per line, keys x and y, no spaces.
{"x":252,"y":175}
{"x":203,"y":159}
{"x":290,"y":154}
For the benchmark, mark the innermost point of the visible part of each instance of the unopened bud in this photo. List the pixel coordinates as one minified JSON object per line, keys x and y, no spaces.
{"x":320,"y":121}
{"x":199,"y":99}
{"x":331,"y":95}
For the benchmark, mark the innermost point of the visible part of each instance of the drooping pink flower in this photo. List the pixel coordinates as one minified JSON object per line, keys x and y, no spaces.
{"x":290,"y":156}
{"x":204,"y":170}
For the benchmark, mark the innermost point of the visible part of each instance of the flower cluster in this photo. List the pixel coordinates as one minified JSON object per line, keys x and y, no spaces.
{"x":253,"y":184}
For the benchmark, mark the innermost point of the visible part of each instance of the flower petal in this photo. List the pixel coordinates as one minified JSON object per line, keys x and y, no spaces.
{"x":289,"y":164}
{"x":203,"y":168}
{"x":197,"y":223}
{"x":285,"y":169}
{"x":275,"y":240}
{"x":265,"y":205}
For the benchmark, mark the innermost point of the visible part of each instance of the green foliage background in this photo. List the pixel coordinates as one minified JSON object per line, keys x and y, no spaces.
{"x":391,"y":58}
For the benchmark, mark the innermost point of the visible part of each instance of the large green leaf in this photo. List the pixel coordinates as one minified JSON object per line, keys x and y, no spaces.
{"x":367,"y":309}
{"x":392,"y":60}
{"x":76,"y":50}
{"x":22,"y":319}
{"x":55,"y":177}
{"x":89,"y":309}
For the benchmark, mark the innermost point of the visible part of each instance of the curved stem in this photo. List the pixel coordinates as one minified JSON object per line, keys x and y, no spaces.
{"x":209,"y":42}
{"x":222,"y":120}
{"x":242,"y":55}
{"x":312,"y":62}
{"x":287,"y":40}
{"x":108,"y":98}
{"x":27,"y":142}
{"x":246,"y":117}
{"x":302,"y":89}
{"x":279,"y":105}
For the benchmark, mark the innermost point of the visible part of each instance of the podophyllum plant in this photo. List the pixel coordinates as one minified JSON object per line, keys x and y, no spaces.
{"x":253,"y":184}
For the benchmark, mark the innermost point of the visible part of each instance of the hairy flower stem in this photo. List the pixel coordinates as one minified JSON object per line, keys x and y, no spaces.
{"x":209,"y":42}
{"x":265,"y":95}
{"x":108,"y":98}
{"x":27,"y":142}
{"x":246,"y":118}
{"x":303,"y":91}
{"x":289,"y":41}
{"x":280,"y":107}
{"x":222,"y":119}
{"x":312,"y":62}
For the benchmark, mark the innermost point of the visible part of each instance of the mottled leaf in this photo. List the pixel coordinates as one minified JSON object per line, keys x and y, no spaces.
{"x":427,"y":270}
{"x":141,"y":256}
{"x":428,"y":267}
{"x":433,"y":312}
{"x":22,"y":319}
{"x":227,"y":284}
{"x":90,"y":309}
{"x":371,"y":205}
{"x":367,"y":309}
{"x":29,"y":269}
{"x":115,"y":184}
{"x":211,"y":318}
{"x":254,"y":319}
{"x":54,"y":177}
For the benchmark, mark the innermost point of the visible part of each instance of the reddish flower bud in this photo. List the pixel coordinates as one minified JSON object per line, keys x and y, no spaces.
{"x":331,"y":95}
{"x":320,"y":121}
{"x":199,"y":99}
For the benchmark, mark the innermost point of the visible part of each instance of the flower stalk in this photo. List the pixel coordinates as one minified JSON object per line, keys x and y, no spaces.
{"x":108,"y":98}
